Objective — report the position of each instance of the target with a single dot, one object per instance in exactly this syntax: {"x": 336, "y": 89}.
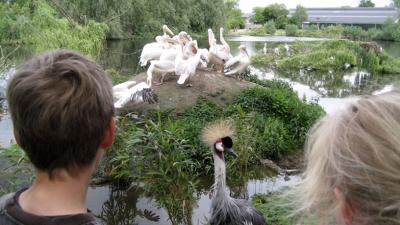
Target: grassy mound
{"x": 271, "y": 122}
{"x": 332, "y": 55}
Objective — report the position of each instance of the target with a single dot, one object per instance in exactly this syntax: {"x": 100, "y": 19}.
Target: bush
{"x": 284, "y": 104}
{"x": 257, "y": 32}
{"x": 370, "y": 61}
{"x": 36, "y": 24}
{"x": 270, "y": 27}
{"x": 262, "y": 60}
{"x": 271, "y": 122}
{"x": 291, "y": 30}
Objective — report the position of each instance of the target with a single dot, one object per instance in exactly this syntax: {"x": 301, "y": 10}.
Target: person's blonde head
{"x": 356, "y": 151}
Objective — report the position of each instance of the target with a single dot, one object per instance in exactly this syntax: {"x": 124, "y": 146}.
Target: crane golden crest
{"x": 217, "y": 130}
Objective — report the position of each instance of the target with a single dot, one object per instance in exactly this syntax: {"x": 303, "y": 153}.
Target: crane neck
{"x": 219, "y": 176}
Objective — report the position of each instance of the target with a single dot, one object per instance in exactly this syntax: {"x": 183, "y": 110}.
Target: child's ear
{"x": 109, "y": 134}
{"x": 346, "y": 209}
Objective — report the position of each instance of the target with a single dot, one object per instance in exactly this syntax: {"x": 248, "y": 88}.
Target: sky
{"x": 248, "y": 5}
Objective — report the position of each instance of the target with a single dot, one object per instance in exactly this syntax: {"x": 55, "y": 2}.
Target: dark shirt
{"x": 11, "y": 213}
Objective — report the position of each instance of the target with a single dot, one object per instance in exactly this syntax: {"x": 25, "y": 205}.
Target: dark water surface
{"x": 115, "y": 205}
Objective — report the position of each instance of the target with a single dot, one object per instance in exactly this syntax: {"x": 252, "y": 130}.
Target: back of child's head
{"x": 61, "y": 104}
{"x": 356, "y": 151}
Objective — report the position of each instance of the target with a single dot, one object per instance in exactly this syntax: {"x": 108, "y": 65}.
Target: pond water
{"x": 115, "y": 205}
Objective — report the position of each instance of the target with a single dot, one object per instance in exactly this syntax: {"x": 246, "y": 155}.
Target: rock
{"x": 210, "y": 85}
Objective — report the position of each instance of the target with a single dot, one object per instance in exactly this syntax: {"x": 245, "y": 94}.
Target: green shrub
{"x": 284, "y": 104}
{"x": 273, "y": 208}
{"x": 323, "y": 60}
{"x": 371, "y": 61}
{"x": 36, "y": 24}
{"x": 354, "y": 33}
{"x": 262, "y": 60}
{"x": 270, "y": 27}
{"x": 291, "y": 30}
{"x": 257, "y": 32}
{"x": 271, "y": 122}
{"x": 116, "y": 77}
{"x": 389, "y": 65}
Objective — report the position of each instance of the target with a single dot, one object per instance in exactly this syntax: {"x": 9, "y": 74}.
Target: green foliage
{"x": 262, "y": 60}
{"x": 366, "y": 3}
{"x": 274, "y": 12}
{"x": 390, "y": 30}
{"x": 15, "y": 169}
{"x": 277, "y": 13}
{"x": 273, "y": 209}
{"x": 270, "y": 27}
{"x": 271, "y": 122}
{"x": 299, "y": 16}
{"x": 144, "y": 18}
{"x": 257, "y": 32}
{"x": 278, "y": 208}
{"x": 291, "y": 30}
{"x": 396, "y": 3}
{"x": 258, "y": 17}
{"x": 235, "y": 19}
{"x": 370, "y": 61}
{"x": 37, "y": 24}
{"x": 355, "y": 33}
{"x": 116, "y": 77}
{"x": 389, "y": 65}
{"x": 281, "y": 102}
{"x": 324, "y": 56}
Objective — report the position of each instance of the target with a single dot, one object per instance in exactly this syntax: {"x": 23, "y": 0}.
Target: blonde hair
{"x": 358, "y": 151}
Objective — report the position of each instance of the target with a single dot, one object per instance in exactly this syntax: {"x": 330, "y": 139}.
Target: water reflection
{"x": 114, "y": 205}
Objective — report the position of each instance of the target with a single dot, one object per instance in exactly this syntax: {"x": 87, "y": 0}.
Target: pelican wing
{"x": 233, "y": 62}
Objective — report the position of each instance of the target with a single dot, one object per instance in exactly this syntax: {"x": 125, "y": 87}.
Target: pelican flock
{"x": 179, "y": 55}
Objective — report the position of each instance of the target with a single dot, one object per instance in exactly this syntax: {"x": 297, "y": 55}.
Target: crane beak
{"x": 231, "y": 152}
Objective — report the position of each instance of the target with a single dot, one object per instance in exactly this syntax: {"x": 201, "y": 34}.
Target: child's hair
{"x": 61, "y": 104}
{"x": 358, "y": 152}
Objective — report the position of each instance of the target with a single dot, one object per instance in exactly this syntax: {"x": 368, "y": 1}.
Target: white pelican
{"x": 287, "y": 49}
{"x": 131, "y": 92}
{"x": 265, "y": 48}
{"x": 185, "y": 68}
{"x": 166, "y": 64}
{"x": 238, "y": 64}
{"x": 153, "y": 51}
{"x": 218, "y": 54}
{"x": 276, "y": 51}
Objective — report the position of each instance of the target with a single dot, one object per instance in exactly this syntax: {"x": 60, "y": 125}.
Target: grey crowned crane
{"x": 226, "y": 210}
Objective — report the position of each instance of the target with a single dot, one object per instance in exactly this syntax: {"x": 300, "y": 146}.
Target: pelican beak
{"x": 169, "y": 31}
{"x": 231, "y": 152}
{"x": 246, "y": 52}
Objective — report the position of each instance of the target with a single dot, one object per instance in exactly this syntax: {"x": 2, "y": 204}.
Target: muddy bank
{"x": 213, "y": 86}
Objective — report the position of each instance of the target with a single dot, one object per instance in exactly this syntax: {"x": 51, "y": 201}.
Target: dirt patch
{"x": 210, "y": 85}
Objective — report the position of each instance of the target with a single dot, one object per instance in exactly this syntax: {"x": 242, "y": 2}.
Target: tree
{"x": 299, "y": 16}
{"x": 366, "y": 3}
{"x": 270, "y": 27}
{"x": 235, "y": 19}
{"x": 258, "y": 16}
{"x": 278, "y": 13}
{"x": 396, "y": 3}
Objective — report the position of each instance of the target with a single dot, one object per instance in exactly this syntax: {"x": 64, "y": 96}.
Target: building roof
{"x": 358, "y": 15}
{"x": 247, "y": 15}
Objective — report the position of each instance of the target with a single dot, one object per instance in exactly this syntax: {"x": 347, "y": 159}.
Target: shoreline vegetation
{"x": 274, "y": 18}
{"x": 329, "y": 56}
{"x": 388, "y": 32}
